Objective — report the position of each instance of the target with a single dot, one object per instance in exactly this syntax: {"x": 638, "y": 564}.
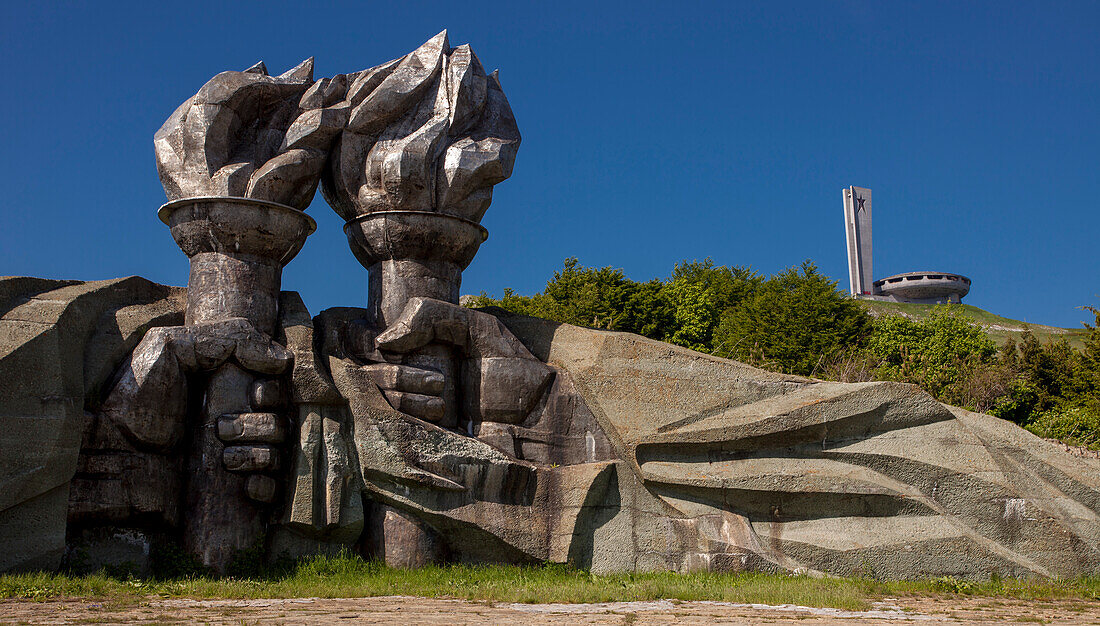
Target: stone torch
{"x": 428, "y": 135}
{"x": 240, "y": 161}
{"x": 237, "y": 249}
{"x": 411, "y": 254}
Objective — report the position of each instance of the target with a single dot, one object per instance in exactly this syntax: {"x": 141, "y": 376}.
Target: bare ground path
{"x": 414, "y": 610}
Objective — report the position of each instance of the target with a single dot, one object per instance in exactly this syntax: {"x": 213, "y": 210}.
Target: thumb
{"x": 425, "y": 321}
{"x": 404, "y": 336}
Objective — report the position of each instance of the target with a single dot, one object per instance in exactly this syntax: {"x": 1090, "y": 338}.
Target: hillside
{"x": 998, "y": 328}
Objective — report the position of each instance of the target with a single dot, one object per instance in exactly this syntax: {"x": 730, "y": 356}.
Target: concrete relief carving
{"x": 415, "y": 430}
{"x": 411, "y": 150}
{"x": 428, "y": 136}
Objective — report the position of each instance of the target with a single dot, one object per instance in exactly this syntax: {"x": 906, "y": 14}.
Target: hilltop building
{"x": 923, "y": 287}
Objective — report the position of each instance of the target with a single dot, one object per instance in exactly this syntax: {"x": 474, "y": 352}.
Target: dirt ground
{"x": 406, "y": 610}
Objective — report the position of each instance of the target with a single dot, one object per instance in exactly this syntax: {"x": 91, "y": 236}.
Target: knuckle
{"x": 261, "y": 488}
{"x": 266, "y": 394}
{"x": 251, "y": 427}
{"x": 250, "y": 458}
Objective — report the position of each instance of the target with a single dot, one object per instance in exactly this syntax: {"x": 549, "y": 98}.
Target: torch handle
{"x": 237, "y": 248}
{"x": 393, "y": 282}
{"x": 220, "y": 519}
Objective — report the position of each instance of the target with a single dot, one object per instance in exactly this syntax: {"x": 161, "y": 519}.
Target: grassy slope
{"x": 342, "y": 577}
{"x": 998, "y": 328}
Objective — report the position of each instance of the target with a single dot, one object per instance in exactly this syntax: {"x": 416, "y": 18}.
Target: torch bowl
{"x": 422, "y": 235}
{"x": 237, "y": 226}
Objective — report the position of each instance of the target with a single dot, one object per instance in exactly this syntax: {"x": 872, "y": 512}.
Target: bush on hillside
{"x": 941, "y": 353}
{"x": 1076, "y": 425}
{"x": 794, "y": 322}
{"x": 798, "y": 322}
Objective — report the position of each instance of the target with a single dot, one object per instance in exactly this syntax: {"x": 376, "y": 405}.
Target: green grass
{"x": 333, "y": 577}
{"x": 998, "y": 328}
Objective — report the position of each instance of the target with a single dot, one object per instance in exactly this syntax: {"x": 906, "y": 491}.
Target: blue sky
{"x": 652, "y": 132}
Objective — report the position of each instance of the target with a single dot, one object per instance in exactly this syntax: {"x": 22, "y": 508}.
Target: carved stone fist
{"x": 149, "y": 402}
{"x": 499, "y": 379}
{"x": 252, "y": 439}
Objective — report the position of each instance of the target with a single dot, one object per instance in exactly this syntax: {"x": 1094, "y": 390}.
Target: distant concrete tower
{"x": 857, "y": 225}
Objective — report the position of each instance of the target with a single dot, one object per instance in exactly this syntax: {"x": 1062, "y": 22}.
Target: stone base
{"x": 400, "y": 540}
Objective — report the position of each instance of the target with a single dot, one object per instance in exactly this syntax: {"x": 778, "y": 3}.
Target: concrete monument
{"x": 921, "y": 287}
{"x": 224, "y": 416}
{"x": 857, "y": 228}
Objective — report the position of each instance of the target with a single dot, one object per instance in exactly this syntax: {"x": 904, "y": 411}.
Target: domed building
{"x": 922, "y": 287}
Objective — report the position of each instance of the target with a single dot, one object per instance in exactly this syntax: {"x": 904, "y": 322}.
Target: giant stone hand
{"x": 427, "y": 137}
{"x": 499, "y": 379}
{"x": 148, "y": 401}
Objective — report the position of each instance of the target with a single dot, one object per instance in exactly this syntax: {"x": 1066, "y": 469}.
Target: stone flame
{"x": 427, "y": 132}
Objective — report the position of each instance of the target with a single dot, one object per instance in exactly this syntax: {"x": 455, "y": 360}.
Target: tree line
{"x": 797, "y": 322}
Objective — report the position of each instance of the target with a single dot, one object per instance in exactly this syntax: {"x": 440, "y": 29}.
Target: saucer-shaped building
{"x": 926, "y": 287}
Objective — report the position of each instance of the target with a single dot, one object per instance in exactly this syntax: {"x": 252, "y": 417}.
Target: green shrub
{"x": 941, "y": 353}
{"x": 950, "y": 584}
{"x": 794, "y": 322}
{"x": 1018, "y": 404}
{"x": 1075, "y": 425}
{"x": 798, "y": 322}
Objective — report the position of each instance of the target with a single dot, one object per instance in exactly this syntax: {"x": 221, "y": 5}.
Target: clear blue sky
{"x": 652, "y": 132}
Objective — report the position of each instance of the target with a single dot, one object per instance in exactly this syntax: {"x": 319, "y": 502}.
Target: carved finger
{"x": 392, "y": 376}
{"x": 251, "y": 428}
{"x": 250, "y": 458}
{"x": 148, "y": 401}
{"x": 428, "y": 408}
{"x": 266, "y": 395}
{"x": 211, "y": 351}
{"x": 207, "y": 345}
{"x": 403, "y": 336}
{"x": 261, "y": 488}
{"x": 258, "y": 353}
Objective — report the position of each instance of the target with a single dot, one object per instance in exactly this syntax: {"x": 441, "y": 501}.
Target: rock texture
{"x": 634, "y": 455}
{"x": 413, "y": 148}
{"x": 60, "y": 342}
{"x": 427, "y": 132}
{"x": 237, "y": 249}
{"x": 427, "y": 137}
{"x": 250, "y": 135}
{"x": 754, "y": 469}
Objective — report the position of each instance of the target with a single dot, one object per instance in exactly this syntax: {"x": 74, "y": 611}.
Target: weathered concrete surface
{"x": 60, "y": 341}
{"x": 427, "y": 137}
{"x": 427, "y": 132}
{"x": 922, "y": 287}
{"x": 869, "y": 478}
{"x": 634, "y": 455}
{"x": 323, "y": 511}
{"x": 237, "y": 249}
{"x": 523, "y": 490}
